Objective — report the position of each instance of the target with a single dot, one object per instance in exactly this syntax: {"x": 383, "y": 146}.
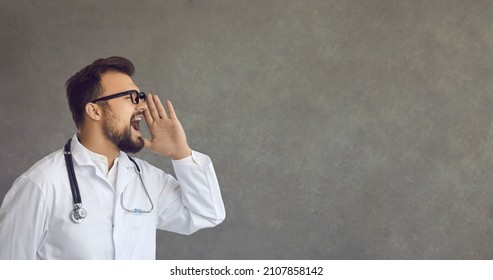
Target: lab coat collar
{"x": 82, "y": 158}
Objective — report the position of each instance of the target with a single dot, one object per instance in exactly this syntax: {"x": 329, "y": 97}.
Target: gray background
{"x": 338, "y": 129}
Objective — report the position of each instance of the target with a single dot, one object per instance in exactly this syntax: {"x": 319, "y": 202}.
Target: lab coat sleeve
{"x": 23, "y": 221}
{"x": 194, "y": 201}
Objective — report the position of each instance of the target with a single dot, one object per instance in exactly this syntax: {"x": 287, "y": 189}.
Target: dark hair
{"x": 85, "y": 85}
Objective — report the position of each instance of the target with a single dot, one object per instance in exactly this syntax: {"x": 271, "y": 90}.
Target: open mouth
{"x": 135, "y": 122}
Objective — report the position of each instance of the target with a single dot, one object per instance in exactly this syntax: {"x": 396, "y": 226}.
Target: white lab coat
{"x": 35, "y": 222}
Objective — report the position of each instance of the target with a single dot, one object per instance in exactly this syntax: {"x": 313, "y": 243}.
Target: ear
{"x": 94, "y": 111}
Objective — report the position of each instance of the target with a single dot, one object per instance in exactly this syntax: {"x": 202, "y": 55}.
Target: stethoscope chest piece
{"x": 78, "y": 214}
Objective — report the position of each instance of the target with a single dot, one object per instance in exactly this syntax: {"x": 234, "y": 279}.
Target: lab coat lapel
{"x": 126, "y": 171}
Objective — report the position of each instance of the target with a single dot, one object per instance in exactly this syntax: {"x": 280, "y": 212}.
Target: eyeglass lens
{"x": 136, "y": 96}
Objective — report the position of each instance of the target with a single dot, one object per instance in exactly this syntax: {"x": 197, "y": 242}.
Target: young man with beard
{"x": 120, "y": 201}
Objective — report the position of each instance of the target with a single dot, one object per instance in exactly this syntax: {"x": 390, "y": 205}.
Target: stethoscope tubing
{"x": 71, "y": 175}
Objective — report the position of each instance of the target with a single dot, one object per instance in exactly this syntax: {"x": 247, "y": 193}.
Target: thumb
{"x": 147, "y": 142}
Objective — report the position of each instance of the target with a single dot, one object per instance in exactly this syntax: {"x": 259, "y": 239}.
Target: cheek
{"x": 124, "y": 117}
{"x": 116, "y": 121}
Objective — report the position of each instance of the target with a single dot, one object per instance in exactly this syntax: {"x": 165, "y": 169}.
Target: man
{"x": 119, "y": 209}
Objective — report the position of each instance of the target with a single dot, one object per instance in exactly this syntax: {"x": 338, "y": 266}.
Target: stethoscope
{"x": 78, "y": 213}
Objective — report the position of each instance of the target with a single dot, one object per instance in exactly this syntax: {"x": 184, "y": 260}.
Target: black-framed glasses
{"x": 134, "y": 95}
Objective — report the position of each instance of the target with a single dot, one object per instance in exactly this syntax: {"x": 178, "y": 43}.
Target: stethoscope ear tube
{"x": 78, "y": 214}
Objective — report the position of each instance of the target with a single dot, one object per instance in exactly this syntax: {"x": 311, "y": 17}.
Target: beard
{"x": 121, "y": 138}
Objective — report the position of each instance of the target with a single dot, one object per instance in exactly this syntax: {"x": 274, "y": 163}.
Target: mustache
{"x": 137, "y": 114}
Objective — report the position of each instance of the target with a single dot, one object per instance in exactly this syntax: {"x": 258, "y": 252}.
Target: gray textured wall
{"x": 338, "y": 129}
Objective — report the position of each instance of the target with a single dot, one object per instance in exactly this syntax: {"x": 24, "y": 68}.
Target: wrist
{"x": 186, "y": 152}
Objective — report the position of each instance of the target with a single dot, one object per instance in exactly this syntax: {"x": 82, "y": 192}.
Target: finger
{"x": 160, "y": 108}
{"x": 148, "y": 117}
{"x": 171, "y": 110}
{"x": 152, "y": 108}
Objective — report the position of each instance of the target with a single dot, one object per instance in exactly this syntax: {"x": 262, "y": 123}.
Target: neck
{"x": 97, "y": 143}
